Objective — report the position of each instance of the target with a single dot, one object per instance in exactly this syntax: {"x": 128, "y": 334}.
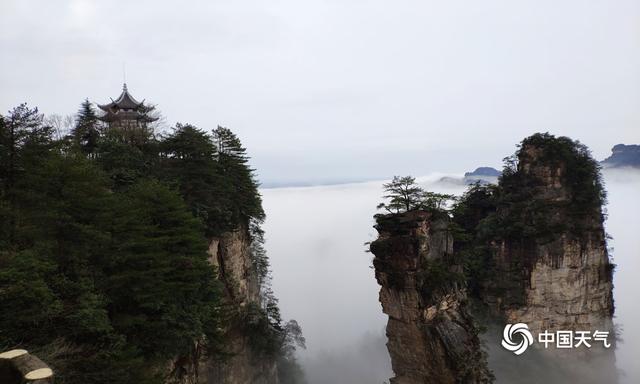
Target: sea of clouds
{"x": 324, "y": 278}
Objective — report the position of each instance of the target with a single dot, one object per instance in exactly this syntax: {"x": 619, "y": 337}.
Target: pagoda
{"x": 126, "y": 112}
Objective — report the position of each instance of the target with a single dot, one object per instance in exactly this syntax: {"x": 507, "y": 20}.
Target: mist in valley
{"x": 324, "y": 278}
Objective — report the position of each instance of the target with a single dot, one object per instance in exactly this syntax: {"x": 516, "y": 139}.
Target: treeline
{"x": 103, "y": 245}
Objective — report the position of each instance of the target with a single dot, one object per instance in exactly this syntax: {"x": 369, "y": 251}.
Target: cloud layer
{"x": 323, "y": 277}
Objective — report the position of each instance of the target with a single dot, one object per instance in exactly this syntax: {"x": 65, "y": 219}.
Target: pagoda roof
{"x": 119, "y": 115}
{"x": 125, "y": 101}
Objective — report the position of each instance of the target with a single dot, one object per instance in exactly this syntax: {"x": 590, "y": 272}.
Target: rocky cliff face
{"x": 551, "y": 265}
{"x": 230, "y": 254}
{"x": 431, "y": 336}
{"x": 568, "y": 286}
{"x": 534, "y": 251}
{"x": 565, "y": 277}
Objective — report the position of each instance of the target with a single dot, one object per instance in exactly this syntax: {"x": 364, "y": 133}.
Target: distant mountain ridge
{"x": 623, "y": 155}
{"x": 483, "y": 171}
{"x": 482, "y": 175}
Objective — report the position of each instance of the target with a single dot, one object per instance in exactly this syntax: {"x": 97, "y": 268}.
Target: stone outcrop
{"x": 623, "y": 156}
{"x": 534, "y": 251}
{"x": 565, "y": 281}
{"x": 556, "y": 274}
{"x": 231, "y": 256}
{"x": 568, "y": 286}
{"x": 431, "y": 336}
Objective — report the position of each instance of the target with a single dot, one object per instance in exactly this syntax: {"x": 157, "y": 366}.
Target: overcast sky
{"x": 336, "y": 89}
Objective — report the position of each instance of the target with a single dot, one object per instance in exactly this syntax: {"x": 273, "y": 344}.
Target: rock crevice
{"x": 230, "y": 255}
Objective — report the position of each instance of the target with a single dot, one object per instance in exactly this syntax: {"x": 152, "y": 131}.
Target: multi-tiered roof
{"x": 126, "y": 111}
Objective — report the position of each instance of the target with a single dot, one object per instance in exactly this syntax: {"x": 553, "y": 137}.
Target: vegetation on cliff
{"x": 549, "y": 189}
{"x": 531, "y": 214}
{"x": 402, "y": 194}
{"x": 431, "y": 335}
{"x": 532, "y": 247}
{"x": 103, "y": 245}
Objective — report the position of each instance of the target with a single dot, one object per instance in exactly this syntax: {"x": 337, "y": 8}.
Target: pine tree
{"x": 189, "y": 161}
{"x": 59, "y": 238}
{"x": 86, "y": 132}
{"x": 403, "y": 194}
{"x": 22, "y": 131}
{"x": 228, "y": 145}
{"x": 239, "y": 176}
{"x": 124, "y": 163}
{"x": 24, "y": 141}
{"x": 159, "y": 281}
{"x": 51, "y": 257}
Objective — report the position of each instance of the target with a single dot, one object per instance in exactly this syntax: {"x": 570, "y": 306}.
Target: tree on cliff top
{"x": 93, "y": 271}
{"x": 239, "y": 177}
{"x": 212, "y": 174}
{"x": 528, "y": 213}
{"x": 103, "y": 249}
{"x": 86, "y": 133}
{"x": 404, "y": 195}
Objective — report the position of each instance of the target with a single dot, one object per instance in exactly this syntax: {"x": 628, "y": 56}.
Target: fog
{"x": 324, "y": 278}
{"x": 623, "y": 225}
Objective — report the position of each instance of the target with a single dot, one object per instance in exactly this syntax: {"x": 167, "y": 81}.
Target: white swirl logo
{"x": 521, "y": 329}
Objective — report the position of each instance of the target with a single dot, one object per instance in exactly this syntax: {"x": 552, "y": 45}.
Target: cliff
{"x": 567, "y": 279}
{"x": 533, "y": 250}
{"x": 538, "y": 256}
{"x": 230, "y": 253}
{"x": 241, "y": 363}
{"x": 558, "y": 272}
{"x": 431, "y": 336}
{"x": 623, "y": 156}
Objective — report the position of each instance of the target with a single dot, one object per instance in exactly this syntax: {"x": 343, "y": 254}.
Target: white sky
{"x": 336, "y": 90}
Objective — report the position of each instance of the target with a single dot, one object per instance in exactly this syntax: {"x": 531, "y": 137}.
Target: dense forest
{"x": 103, "y": 246}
